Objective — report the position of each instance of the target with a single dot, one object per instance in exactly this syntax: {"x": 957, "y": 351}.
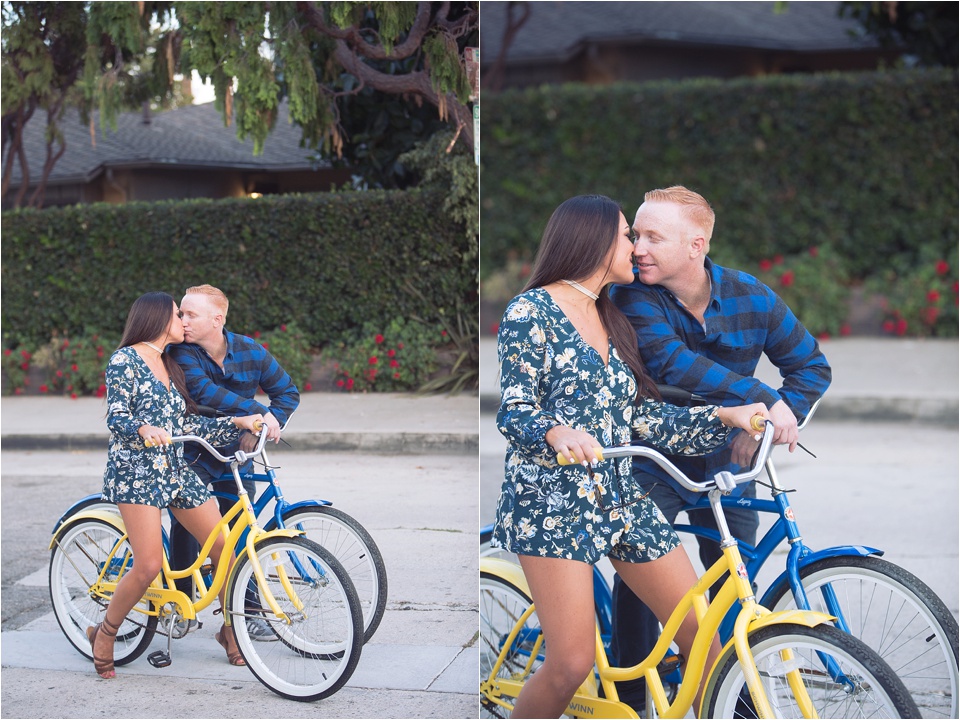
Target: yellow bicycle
{"x": 284, "y": 579}
{"x": 777, "y": 664}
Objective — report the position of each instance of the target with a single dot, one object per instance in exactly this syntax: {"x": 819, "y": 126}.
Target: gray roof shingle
{"x": 189, "y": 137}
{"x": 556, "y": 30}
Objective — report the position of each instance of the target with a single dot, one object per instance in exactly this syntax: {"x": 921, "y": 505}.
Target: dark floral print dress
{"x": 156, "y": 476}
{"x": 548, "y": 376}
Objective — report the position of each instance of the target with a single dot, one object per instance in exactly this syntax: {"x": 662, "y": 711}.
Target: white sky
{"x": 202, "y": 92}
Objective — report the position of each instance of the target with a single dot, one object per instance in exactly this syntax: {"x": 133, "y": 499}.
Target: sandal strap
{"x": 108, "y": 628}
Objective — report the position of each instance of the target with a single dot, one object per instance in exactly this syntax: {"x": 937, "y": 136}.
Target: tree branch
{"x": 353, "y": 37}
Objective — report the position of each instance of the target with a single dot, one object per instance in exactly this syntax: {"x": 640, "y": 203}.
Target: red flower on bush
{"x": 396, "y": 376}
{"x": 888, "y": 326}
{"x": 59, "y": 373}
{"x": 101, "y": 391}
{"x": 930, "y": 315}
{"x": 394, "y": 364}
{"x": 901, "y": 327}
{"x": 943, "y": 267}
{"x": 340, "y": 383}
{"x": 495, "y": 329}
{"x": 44, "y": 388}
{"x": 265, "y": 345}
{"x": 845, "y": 330}
{"x": 814, "y": 251}
{"x": 74, "y": 367}
{"x": 391, "y": 352}
{"x": 8, "y": 352}
{"x": 349, "y": 383}
{"x": 787, "y": 278}
{"x": 378, "y": 339}
{"x": 256, "y": 334}
{"x": 373, "y": 360}
{"x": 443, "y": 333}
{"x": 24, "y": 354}
{"x": 283, "y": 328}
{"x": 933, "y": 296}
{"x": 777, "y": 259}
{"x": 765, "y": 265}
{"x": 308, "y": 387}
{"x": 399, "y": 346}
{"x": 73, "y": 396}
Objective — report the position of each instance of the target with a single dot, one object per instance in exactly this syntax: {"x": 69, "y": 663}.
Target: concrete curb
{"x": 372, "y": 442}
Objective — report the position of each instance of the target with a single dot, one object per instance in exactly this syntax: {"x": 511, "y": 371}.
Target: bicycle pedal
{"x": 669, "y": 664}
{"x": 159, "y": 659}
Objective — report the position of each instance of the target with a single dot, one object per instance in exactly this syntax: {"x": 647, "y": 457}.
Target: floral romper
{"x": 548, "y": 376}
{"x": 156, "y": 476}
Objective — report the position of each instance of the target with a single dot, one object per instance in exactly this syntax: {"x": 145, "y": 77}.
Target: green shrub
{"x": 289, "y": 345}
{"x": 397, "y": 356}
{"x": 16, "y": 369}
{"x": 863, "y": 162}
{"x": 814, "y": 286}
{"x": 328, "y": 262}
{"x": 921, "y": 302}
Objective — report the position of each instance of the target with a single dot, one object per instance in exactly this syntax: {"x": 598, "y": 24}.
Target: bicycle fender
{"x": 809, "y": 618}
{"x": 105, "y": 515}
{"x": 70, "y": 510}
{"x": 836, "y": 551}
{"x": 507, "y": 570}
{"x": 296, "y": 506}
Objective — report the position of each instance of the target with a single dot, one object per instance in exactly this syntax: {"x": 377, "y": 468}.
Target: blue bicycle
{"x": 334, "y": 530}
{"x": 888, "y": 608}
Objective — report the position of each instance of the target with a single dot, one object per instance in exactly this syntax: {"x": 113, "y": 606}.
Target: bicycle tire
{"x": 319, "y": 651}
{"x": 876, "y": 691}
{"x": 897, "y": 615}
{"x": 501, "y": 605}
{"x": 79, "y": 554}
{"x": 356, "y": 551}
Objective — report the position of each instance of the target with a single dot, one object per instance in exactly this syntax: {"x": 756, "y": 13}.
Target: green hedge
{"x": 329, "y": 262}
{"x": 865, "y": 162}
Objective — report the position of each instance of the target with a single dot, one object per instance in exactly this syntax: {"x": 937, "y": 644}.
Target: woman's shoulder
{"x": 123, "y": 356}
{"x": 532, "y": 304}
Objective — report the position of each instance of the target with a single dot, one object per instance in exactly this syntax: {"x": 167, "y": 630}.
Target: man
{"x": 703, "y": 328}
{"x": 223, "y": 371}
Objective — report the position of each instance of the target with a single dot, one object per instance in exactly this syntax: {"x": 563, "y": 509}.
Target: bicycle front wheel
{"x": 842, "y": 677}
{"x": 348, "y": 541}
{"x": 320, "y": 646}
{"x": 501, "y": 605}
{"x": 894, "y": 613}
{"x": 81, "y": 552}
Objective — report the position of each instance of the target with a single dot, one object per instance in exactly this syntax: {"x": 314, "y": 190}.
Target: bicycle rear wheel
{"x": 858, "y": 685}
{"x": 320, "y": 648}
{"x": 81, "y": 552}
{"x": 894, "y": 613}
{"x": 348, "y": 541}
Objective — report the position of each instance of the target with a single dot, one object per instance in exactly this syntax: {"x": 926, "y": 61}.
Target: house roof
{"x": 558, "y": 30}
{"x": 191, "y": 137}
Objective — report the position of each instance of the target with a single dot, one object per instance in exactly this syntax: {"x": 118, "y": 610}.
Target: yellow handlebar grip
{"x": 758, "y": 422}
{"x": 564, "y": 460}
{"x": 147, "y": 443}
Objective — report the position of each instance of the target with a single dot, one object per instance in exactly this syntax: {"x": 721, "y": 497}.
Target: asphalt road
{"x": 885, "y": 485}
{"x": 421, "y": 511}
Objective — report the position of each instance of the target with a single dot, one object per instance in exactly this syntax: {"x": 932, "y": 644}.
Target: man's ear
{"x": 698, "y": 246}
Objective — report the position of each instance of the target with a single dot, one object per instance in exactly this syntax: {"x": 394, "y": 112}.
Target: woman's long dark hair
{"x": 575, "y": 243}
{"x": 148, "y": 319}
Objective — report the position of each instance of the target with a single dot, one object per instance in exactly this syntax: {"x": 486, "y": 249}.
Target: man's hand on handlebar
{"x": 786, "y": 425}
{"x": 250, "y": 423}
{"x": 742, "y": 416}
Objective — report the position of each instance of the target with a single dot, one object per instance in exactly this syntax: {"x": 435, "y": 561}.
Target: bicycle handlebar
{"x": 725, "y": 480}
{"x": 240, "y": 457}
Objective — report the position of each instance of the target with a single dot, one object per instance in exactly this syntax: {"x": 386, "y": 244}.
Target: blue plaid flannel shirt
{"x": 744, "y": 320}
{"x": 232, "y": 390}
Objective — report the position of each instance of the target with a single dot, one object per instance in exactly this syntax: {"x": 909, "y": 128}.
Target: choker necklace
{"x": 574, "y": 284}
{"x": 152, "y": 346}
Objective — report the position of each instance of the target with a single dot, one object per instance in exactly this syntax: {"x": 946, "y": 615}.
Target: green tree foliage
{"x": 925, "y": 31}
{"x": 353, "y": 72}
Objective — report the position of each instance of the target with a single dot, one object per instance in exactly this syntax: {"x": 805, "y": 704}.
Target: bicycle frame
{"x": 162, "y": 591}
{"x": 750, "y": 616}
{"x": 784, "y": 528}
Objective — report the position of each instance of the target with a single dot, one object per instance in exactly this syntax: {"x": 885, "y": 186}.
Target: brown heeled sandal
{"x": 233, "y": 657}
{"x": 104, "y": 668}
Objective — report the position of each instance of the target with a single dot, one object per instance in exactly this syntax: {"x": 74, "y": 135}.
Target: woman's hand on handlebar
{"x": 742, "y": 416}
{"x": 153, "y": 436}
{"x": 575, "y": 445}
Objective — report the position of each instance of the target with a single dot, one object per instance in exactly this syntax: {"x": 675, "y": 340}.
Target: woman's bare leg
{"x": 661, "y": 584}
{"x": 562, "y": 590}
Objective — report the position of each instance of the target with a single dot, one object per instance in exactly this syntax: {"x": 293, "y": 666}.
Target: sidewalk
{"x": 876, "y": 379}
{"x": 393, "y": 423}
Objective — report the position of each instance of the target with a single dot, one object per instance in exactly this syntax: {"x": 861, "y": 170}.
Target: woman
{"x": 147, "y": 403}
{"x": 571, "y": 380}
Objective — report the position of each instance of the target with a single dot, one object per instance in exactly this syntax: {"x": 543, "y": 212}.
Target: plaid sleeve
{"x": 276, "y": 383}
{"x": 205, "y": 391}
